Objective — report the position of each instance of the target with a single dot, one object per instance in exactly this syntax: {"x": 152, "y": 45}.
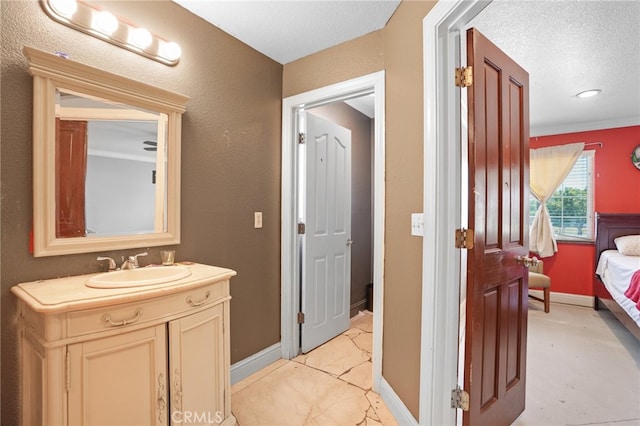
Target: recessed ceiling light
{"x": 588, "y": 93}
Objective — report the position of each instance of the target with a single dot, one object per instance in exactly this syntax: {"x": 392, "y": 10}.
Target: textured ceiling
{"x": 566, "y": 46}
{"x": 289, "y": 30}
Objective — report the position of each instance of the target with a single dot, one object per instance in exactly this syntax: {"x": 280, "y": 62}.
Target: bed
{"x": 614, "y": 270}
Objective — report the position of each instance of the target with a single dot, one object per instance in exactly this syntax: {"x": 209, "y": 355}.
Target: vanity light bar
{"x": 106, "y": 26}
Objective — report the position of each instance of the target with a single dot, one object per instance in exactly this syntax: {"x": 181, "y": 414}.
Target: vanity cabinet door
{"x": 197, "y": 368}
{"x": 119, "y": 380}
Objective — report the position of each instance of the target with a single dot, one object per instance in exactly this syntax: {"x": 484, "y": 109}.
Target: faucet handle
{"x": 134, "y": 259}
{"x": 112, "y": 263}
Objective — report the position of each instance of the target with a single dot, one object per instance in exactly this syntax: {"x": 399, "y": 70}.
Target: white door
{"x": 326, "y": 253}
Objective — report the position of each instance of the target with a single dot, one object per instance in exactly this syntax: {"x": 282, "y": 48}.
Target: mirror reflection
{"x": 110, "y": 168}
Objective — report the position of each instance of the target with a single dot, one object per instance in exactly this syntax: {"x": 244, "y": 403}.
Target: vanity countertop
{"x": 71, "y": 293}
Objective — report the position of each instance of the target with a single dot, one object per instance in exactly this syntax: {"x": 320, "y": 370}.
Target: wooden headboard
{"x": 610, "y": 226}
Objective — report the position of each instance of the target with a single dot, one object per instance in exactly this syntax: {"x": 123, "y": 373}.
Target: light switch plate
{"x": 417, "y": 224}
{"x": 257, "y": 220}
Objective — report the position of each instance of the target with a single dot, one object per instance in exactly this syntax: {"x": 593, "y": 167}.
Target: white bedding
{"x": 615, "y": 271}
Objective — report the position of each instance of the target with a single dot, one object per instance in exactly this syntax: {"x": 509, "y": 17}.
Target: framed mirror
{"x": 106, "y": 152}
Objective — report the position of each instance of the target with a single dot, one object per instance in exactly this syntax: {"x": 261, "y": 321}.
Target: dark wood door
{"x": 496, "y": 313}
{"x": 71, "y": 171}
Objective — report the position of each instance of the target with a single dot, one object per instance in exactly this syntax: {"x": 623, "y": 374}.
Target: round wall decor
{"x": 635, "y": 157}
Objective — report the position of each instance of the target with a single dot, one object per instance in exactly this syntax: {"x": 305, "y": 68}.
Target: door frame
{"x": 290, "y": 293}
{"x": 445, "y": 190}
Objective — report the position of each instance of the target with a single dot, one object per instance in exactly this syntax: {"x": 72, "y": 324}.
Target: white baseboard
{"x": 400, "y": 411}
{"x": 256, "y": 362}
{"x": 566, "y": 298}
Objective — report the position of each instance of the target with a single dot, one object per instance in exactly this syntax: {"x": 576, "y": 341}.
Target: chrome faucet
{"x": 132, "y": 261}
{"x": 112, "y": 263}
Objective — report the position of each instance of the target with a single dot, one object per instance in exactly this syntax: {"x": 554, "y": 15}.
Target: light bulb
{"x": 170, "y": 51}
{"x": 105, "y": 22}
{"x": 140, "y": 37}
{"x": 65, "y": 8}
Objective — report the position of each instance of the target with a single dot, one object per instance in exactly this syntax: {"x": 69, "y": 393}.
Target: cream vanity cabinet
{"x": 153, "y": 355}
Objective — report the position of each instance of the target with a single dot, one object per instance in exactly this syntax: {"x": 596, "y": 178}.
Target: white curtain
{"x": 548, "y": 169}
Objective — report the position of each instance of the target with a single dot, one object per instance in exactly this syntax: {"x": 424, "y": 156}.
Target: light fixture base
{"x": 106, "y": 26}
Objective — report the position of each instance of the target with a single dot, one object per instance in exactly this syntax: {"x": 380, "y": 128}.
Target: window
{"x": 571, "y": 207}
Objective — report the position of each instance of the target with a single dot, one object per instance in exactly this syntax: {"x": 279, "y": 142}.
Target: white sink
{"x": 139, "y": 277}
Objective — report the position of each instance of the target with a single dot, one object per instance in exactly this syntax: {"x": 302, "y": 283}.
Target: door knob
{"x": 349, "y": 242}
{"x": 528, "y": 261}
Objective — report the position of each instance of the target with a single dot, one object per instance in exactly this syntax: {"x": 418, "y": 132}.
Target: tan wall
{"x": 404, "y": 195}
{"x": 361, "y": 186}
{"x": 354, "y": 58}
{"x": 398, "y": 50}
{"x": 230, "y": 162}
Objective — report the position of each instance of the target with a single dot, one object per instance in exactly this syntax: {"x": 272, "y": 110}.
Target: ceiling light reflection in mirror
{"x": 104, "y": 25}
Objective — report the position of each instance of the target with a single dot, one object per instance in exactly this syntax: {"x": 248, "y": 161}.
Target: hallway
{"x": 330, "y": 385}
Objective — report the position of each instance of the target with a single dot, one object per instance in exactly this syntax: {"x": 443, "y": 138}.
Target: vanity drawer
{"x": 123, "y": 315}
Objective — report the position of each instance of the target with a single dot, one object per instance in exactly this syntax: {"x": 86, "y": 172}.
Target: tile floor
{"x": 330, "y": 385}
{"x": 583, "y": 368}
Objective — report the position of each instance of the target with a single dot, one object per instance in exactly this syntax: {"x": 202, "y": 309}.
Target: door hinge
{"x": 300, "y": 317}
{"x": 464, "y": 76}
{"x": 301, "y": 228}
{"x": 460, "y": 399}
{"x": 301, "y": 138}
{"x": 464, "y": 238}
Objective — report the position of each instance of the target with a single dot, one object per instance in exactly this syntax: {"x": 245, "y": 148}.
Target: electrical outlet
{"x": 417, "y": 224}
{"x": 257, "y": 220}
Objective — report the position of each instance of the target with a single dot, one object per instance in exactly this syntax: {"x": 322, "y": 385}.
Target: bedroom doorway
{"x": 372, "y": 84}
{"x": 496, "y": 298}
{"x": 446, "y": 209}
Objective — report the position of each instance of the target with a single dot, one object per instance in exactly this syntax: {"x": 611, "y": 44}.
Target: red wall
{"x": 617, "y": 190}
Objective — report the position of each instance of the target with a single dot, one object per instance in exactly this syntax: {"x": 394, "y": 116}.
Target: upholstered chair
{"x": 537, "y": 280}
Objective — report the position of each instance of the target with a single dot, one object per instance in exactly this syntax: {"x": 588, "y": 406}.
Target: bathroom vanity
{"x": 130, "y": 355}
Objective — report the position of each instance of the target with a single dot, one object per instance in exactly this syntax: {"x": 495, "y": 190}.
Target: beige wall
{"x": 230, "y": 162}
{"x": 357, "y": 57}
{"x": 398, "y": 50}
{"x": 404, "y": 195}
{"x": 361, "y": 186}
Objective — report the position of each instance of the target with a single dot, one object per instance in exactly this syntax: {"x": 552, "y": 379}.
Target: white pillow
{"x": 629, "y": 245}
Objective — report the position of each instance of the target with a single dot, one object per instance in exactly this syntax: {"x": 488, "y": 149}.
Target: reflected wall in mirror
{"x": 106, "y": 159}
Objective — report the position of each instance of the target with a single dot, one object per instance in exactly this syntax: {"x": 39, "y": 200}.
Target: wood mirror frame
{"x": 51, "y": 72}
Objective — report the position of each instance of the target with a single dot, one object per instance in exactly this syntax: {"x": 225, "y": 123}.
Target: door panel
{"x": 119, "y": 380}
{"x": 197, "y": 340}
{"x": 326, "y": 264}
{"x": 496, "y": 328}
